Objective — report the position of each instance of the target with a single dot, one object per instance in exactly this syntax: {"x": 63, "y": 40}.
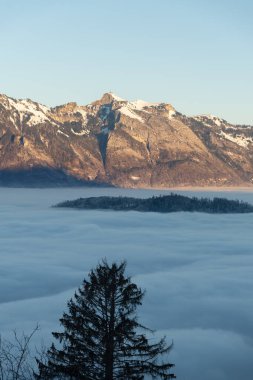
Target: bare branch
{"x": 16, "y": 361}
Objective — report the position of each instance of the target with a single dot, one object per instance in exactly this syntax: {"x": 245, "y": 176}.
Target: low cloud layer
{"x": 196, "y": 269}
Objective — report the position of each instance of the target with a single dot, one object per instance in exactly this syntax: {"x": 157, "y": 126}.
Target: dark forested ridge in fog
{"x": 163, "y": 204}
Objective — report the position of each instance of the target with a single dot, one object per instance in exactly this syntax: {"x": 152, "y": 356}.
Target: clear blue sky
{"x": 194, "y": 54}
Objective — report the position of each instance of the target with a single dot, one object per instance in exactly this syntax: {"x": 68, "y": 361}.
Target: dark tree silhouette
{"x": 101, "y": 338}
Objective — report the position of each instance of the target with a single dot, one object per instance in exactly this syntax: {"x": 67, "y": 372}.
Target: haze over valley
{"x": 198, "y": 290}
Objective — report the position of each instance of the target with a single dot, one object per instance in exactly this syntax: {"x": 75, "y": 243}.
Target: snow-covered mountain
{"x": 121, "y": 143}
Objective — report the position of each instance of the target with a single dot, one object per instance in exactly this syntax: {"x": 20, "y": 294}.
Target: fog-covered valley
{"x": 196, "y": 269}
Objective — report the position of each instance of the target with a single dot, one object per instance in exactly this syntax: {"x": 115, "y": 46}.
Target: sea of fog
{"x": 197, "y": 270}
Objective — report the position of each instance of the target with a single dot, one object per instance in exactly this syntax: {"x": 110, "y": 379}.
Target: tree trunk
{"x": 110, "y": 338}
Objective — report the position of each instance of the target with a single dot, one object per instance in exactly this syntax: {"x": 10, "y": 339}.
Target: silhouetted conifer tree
{"x": 101, "y": 338}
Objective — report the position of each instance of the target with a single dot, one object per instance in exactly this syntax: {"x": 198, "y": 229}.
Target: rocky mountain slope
{"x": 121, "y": 143}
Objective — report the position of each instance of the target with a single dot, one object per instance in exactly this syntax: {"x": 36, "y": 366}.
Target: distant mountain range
{"x": 120, "y": 143}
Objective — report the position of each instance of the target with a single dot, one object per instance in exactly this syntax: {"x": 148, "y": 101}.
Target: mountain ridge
{"x": 123, "y": 143}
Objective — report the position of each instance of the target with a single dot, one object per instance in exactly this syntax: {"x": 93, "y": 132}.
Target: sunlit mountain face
{"x": 121, "y": 143}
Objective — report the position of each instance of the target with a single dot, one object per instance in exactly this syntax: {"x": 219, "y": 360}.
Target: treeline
{"x": 163, "y": 204}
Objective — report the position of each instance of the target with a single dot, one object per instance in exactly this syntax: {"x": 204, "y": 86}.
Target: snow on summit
{"x": 141, "y": 104}
{"x": 25, "y": 107}
{"x": 116, "y": 97}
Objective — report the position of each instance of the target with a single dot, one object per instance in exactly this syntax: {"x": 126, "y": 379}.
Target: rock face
{"x": 116, "y": 142}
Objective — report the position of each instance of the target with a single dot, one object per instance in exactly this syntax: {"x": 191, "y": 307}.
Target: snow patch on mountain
{"x": 240, "y": 140}
{"x": 139, "y": 105}
{"x": 171, "y": 113}
{"x": 116, "y": 97}
{"x": 45, "y": 109}
{"x": 129, "y": 108}
{"x": 83, "y": 114}
{"x": 81, "y": 133}
{"x": 62, "y": 133}
{"x": 34, "y": 111}
{"x": 128, "y": 111}
{"x": 210, "y": 119}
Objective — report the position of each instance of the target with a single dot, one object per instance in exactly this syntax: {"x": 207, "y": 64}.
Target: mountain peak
{"x": 109, "y": 97}
{"x": 116, "y": 97}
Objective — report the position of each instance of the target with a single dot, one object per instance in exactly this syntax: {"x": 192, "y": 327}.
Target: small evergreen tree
{"x": 102, "y": 339}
